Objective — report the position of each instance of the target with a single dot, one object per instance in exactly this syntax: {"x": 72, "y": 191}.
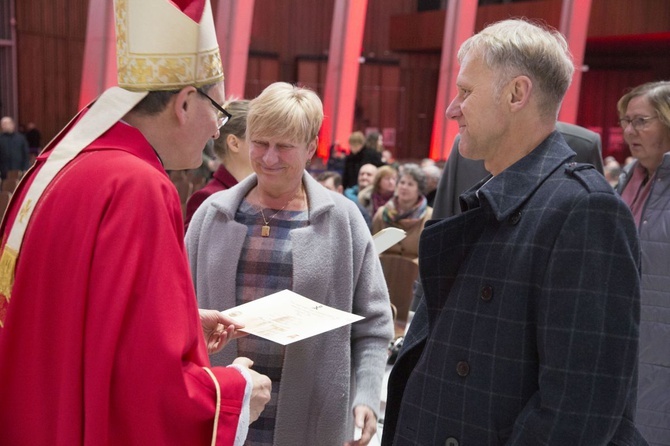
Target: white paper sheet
{"x": 387, "y": 237}
{"x": 286, "y": 317}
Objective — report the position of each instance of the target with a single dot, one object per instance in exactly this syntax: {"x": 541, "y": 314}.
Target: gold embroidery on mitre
{"x": 138, "y": 71}
{"x": 23, "y": 213}
{"x": 7, "y": 267}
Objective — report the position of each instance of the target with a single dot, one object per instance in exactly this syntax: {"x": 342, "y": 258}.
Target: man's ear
{"x": 520, "y": 89}
{"x": 183, "y": 103}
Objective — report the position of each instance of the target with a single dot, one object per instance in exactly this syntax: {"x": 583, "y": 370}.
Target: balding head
{"x": 7, "y": 125}
{"x": 366, "y": 174}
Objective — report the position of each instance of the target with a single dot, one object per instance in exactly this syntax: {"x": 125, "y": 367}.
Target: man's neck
{"x": 520, "y": 142}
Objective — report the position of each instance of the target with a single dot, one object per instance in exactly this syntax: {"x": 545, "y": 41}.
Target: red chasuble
{"x": 102, "y": 343}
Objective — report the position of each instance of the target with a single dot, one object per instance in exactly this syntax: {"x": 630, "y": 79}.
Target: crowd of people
{"x": 542, "y": 306}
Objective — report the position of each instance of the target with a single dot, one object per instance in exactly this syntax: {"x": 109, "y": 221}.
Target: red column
{"x": 233, "y": 32}
{"x": 339, "y": 96}
{"x": 574, "y": 26}
{"x": 99, "y": 68}
{"x": 459, "y": 25}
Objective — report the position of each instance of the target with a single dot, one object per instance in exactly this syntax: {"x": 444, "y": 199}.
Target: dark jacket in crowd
{"x": 354, "y": 161}
{"x": 14, "y": 154}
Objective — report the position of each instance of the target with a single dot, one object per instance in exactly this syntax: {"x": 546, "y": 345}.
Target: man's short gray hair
{"x": 518, "y": 47}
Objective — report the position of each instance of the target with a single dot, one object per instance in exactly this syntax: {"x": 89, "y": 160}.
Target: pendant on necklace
{"x": 265, "y": 231}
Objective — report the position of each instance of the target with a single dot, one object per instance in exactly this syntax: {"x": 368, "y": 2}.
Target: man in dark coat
{"x": 359, "y": 155}
{"x": 528, "y": 331}
{"x": 460, "y": 174}
{"x": 14, "y": 153}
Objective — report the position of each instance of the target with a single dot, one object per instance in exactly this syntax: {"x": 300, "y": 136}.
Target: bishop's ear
{"x": 183, "y": 103}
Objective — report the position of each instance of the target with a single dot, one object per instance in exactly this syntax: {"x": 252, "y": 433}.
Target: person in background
{"x": 644, "y": 114}
{"x": 14, "y": 151}
{"x": 433, "y": 174}
{"x": 34, "y": 138}
{"x": 336, "y": 158}
{"x": 359, "y": 154}
{"x": 333, "y": 181}
{"x": 232, "y": 149}
{"x": 425, "y": 162}
{"x": 611, "y": 170}
{"x": 279, "y": 229}
{"x": 366, "y": 176}
{"x": 375, "y": 195}
{"x": 375, "y": 141}
{"x": 388, "y": 158}
{"x": 101, "y": 340}
{"x": 527, "y": 333}
{"x": 407, "y": 210}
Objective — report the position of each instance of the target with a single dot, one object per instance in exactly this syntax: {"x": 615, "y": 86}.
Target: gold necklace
{"x": 265, "y": 229}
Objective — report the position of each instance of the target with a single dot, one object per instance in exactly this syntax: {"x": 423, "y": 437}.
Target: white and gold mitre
{"x": 166, "y": 44}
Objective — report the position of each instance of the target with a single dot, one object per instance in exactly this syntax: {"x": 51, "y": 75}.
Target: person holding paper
{"x": 101, "y": 340}
{"x": 280, "y": 229}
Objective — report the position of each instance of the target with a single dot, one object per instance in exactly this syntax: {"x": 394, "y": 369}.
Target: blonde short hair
{"x": 285, "y": 111}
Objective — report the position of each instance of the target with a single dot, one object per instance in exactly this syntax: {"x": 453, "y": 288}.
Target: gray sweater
{"x": 334, "y": 262}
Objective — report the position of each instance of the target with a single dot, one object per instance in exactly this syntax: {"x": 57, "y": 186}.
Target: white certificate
{"x": 387, "y": 237}
{"x": 286, "y": 317}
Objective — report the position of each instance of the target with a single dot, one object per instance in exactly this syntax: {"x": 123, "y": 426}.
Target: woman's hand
{"x": 364, "y": 419}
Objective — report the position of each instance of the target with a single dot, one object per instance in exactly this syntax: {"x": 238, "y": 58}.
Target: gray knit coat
{"x": 334, "y": 262}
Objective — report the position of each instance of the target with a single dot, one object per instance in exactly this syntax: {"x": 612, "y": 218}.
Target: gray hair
{"x": 416, "y": 172}
{"x": 518, "y": 47}
{"x": 658, "y": 94}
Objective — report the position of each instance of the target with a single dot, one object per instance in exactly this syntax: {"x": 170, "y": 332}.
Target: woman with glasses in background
{"x": 645, "y": 186}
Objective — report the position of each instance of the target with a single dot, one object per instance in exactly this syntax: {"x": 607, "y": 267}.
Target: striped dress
{"x": 265, "y": 267}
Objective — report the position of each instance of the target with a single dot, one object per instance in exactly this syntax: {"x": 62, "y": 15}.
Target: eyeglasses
{"x": 222, "y": 116}
{"x": 638, "y": 123}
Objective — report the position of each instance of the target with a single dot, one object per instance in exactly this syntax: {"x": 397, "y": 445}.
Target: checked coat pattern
{"x": 527, "y": 334}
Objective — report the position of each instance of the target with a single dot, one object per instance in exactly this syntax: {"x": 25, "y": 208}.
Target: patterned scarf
{"x": 408, "y": 219}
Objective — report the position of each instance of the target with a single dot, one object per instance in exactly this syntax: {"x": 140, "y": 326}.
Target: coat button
{"x": 486, "y": 293}
{"x": 463, "y": 368}
{"x": 514, "y": 218}
{"x": 451, "y": 441}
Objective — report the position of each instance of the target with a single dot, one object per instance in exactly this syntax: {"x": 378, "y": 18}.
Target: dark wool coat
{"x": 527, "y": 334}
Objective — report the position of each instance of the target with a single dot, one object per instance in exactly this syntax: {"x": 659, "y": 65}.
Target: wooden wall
{"x": 50, "y": 45}
{"x": 290, "y": 41}
{"x": 617, "y": 58}
{"x": 301, "y": 51}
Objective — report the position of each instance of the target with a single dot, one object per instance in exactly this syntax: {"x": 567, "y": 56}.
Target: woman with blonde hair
{"x": 280, "y": 229}
{"x": 380, "y": 191}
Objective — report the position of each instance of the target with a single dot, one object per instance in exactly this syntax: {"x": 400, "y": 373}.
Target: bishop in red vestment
{"x": 100, "y": 337}
{"x": 101, "y": 341}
